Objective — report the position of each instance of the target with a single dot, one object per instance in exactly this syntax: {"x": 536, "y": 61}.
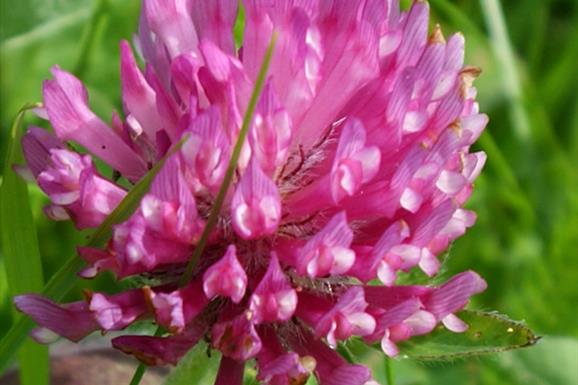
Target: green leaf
{"x": 487, "y": 333}
{"x": 195, "y": 368}
{"x": 21, "y": 253}
{"x": 66, "y": 276}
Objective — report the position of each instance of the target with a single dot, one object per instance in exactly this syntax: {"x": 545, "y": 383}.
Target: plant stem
{"x": 388, "y": 371}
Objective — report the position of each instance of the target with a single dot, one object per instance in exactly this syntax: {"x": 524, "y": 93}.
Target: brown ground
{"x": 98, "y": 367}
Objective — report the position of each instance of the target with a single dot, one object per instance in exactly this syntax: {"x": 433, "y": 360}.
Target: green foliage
{"x": 196, "y": 368}
{"x": 23, "y": 261}
{"x": 63, "y": 280}
{"x": 487, "y": 333}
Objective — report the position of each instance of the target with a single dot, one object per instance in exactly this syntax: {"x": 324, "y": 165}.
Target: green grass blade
{"x": 98, "y": 18}
{"x": 214, "y": 215}
{"x": 21, "y": 252}
{"x": 504, "y": 52}
{"x": 64, "y": 279}
{"x": 220, "y": 199}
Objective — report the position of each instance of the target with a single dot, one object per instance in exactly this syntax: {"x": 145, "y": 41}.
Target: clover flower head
{"x": 356, "y": 168}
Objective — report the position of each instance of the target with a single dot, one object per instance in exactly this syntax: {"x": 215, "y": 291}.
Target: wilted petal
{"x": 73, "y": 321}
{"x": 236, "y": 339}
{"x": 159, "y": 350}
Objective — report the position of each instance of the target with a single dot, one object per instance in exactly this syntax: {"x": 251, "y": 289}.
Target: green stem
{"x": 138, "y": 374}
{"x": 220, "y": 199}
{"x": 388, "y": 371}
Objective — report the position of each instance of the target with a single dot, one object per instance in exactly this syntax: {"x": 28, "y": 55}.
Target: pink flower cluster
{"x": 356, "y": 167}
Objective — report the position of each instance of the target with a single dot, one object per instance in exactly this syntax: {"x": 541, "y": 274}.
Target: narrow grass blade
{"x": 505, "y": 56}
{"x": 21, "y": 252}
{"x": 220, "y": 199}
{"x": 98, "y": 17}
{"x": 64, "y": 279}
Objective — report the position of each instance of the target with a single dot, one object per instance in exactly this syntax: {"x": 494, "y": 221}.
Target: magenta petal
{"x": 274, "y": 299}
{"x": 256, "y": 205}
{"x": 348, "y": 317}
{"x": 36, "y": 145}
{"x": 138, "y": 96}
{"x": 159, "y": 350}
{"x": 171, "y": 21}
{"x": 331, "y": 367}
{"x": 287, "y": 369}
{"x": 214, "y": 21}
{"x": 328, "y": 251}
{"x": 226, "y": 277}
{"x": 73, "y": 321}
{"x": 454, "y": 294}
{"x": 66, "y": 101}
{"x": 118, "y": 311}
{"x": 237, "y": 339}
{"x": 176, "y": 309}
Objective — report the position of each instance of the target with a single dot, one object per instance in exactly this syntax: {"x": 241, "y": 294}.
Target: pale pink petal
{"x": 66, "y": 102}
{"x": 226, "y": 277}
{"x": 454, "y": 324}
{"x": 274, "y": 299}
{"x": 256, "y": 205}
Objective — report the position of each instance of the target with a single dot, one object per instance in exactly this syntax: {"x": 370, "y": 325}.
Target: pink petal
{"x": 236, "y": 339}
{"x": 118, "y": 311}
{"x": 159, "y": 350}
{"x": 256, "y": 205}
{"x": 138, "y": 96}
{"x": 328, "y": 251}
{"x": 454, "y": 294}
{"x": 66, "y": 102}
{"x": 226, "y": 277}
{"x": 73, "y": 321}
{"x": 454, "y": 324}
{"x": 170, "y": 20}
{"x": 274, "y": 299}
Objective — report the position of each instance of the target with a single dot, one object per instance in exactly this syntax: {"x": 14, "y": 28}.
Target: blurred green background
{"x": 525, "y": 242}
